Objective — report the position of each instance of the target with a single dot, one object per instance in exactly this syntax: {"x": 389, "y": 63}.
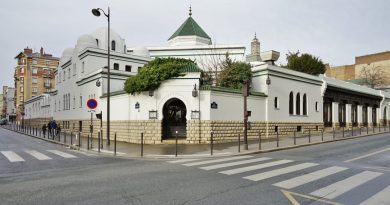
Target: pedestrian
{"x": 58, "y": 130}
{"x": 44, "y": 130}
{"x": 54, "y": 128}
{"x": 49, "y": 134}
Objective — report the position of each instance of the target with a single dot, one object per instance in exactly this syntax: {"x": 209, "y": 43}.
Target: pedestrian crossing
{"x": 13, "y": 156}
{"x": 287, "y": 174}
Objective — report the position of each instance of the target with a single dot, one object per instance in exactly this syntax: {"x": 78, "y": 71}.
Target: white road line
{"x": 230, "y": 164}
{"x": 380, "y": 198}
{"x": 37, "y": 155}
{"x": 183, "y": 161}
{"x": 62, "y": 154}
{"x": 334, "y": 190}
{"x": 368, "y": 155}
{"x": 255, "y": 167}
{"x": 216, "y": 160}
{"x": 84, "y": 153}
{"x": 304, "y": 179}
{"x": 277, "y": 172}
{"x": 12, "y": 156}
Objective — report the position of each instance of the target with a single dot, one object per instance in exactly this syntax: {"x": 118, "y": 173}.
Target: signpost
{"x": 91, "y": 104}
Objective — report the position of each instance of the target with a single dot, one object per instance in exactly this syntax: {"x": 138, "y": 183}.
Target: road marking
{"x": 37, "y": 155}
{"x": 367, "y": 155}
{"x": 108, "y": 151}
{"x": 183, "y": 160}
{"x": 12, "y": 156}
{"x": 216, "y": 160}
{"x": 277, "y": 172}
{"x": 304, "y": 179}
{"x": 334, "y": 190}
{"x": 380, "y": 198}
{"x": 62, "y": 154}
{"x": 290, "y": 196}
{"x": 255, "y": 167}
{"x": 230, "y": 164}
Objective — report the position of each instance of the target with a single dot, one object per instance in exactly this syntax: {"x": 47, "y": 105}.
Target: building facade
{"x": 8, "y": 111}
{"x": 34, "y": 75}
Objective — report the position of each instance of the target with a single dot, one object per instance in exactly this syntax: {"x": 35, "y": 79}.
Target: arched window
{"x": 276, "y": 103}
{"x": 97, "y": 42}
{"x": 113, "y": 45}
{"x": 317, "y": 107}
{"x": 291, "y": 103}
{"x": 304, "y": 111}
{"x": 298, "y": 105}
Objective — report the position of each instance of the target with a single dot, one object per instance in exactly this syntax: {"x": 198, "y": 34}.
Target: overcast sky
{"x": 336, "y": 31}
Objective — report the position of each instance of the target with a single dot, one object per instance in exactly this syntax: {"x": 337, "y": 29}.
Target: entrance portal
{"x": 174, "y": 119}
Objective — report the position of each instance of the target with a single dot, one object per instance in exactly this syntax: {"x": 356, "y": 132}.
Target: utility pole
{"x": 245, "y": 93}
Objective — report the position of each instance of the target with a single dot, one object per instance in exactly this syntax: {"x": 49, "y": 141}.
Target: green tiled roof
{"x": 190, "y": 68}
{"x": 190, "y": 28}
{"x": 229, "y": 90}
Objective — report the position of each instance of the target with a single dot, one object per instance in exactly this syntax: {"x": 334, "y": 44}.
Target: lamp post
{"x": 96, "y": 12}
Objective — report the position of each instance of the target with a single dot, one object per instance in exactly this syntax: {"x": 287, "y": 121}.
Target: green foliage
{"x": 235, "y": 74}
{"x": 306, "y": 63}
{"x": 152, "y": 74}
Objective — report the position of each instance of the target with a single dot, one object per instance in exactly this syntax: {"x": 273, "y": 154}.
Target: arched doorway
{"x": 174, "y": 119}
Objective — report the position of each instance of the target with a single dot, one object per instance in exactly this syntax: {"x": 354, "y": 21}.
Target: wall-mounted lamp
{"x": 214, "y": 105}
{"x": 268, "y": 81}
{"x": 152, "y": 114}
{"x": 194, "y": 92}
{"x": 98, "y": 83}
{"x": 137, "y": 105}
{"x": 151, "y": 92}
{"x": 195, "y": 114}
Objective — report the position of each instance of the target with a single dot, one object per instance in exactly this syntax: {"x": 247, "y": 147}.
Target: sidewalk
{"x": 204, "y": 150}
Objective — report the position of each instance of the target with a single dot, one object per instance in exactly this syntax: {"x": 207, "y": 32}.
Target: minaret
{"x": 255, "y": 51}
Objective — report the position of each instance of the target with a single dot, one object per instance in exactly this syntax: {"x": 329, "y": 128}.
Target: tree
{"x": 235, "y": 74}
{"x": 152, "y": 74}
{"x": 375, "y": 76}
{"x": 306, "y": 63}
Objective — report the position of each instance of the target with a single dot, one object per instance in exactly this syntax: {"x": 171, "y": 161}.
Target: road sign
{"x": 92, "y": 104}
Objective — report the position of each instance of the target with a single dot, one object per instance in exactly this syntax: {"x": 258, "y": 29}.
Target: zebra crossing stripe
{"x": 380, "y": 198}
{"x": 12, "y": 156}
{"x": 216, "y": 160}
{"x": 37, "y": 155}
{"x": 62, "y": 154}
{"x": 230, "y": 164}
{"x": 304, "y": 179}
{"x": 277, "y": 172}
{"x": 336, "y": 189}
{"x": 183, "y": 161}
{"x": 255, "y": 167}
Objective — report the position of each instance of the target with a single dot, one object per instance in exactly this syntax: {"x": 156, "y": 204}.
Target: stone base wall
{"x": 36, "y": 122}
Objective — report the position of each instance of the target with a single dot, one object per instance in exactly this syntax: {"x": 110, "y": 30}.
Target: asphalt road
{"x": 346, "y": 172}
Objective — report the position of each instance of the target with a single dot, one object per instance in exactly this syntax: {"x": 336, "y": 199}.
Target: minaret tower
{"x": 255, "y": 51}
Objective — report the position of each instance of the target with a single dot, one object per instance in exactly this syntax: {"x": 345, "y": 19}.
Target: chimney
{"x": 41, "y": 51}
{"x": 28, "y": 50}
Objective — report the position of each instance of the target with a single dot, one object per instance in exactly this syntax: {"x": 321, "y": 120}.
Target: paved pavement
{"x": 355, "y": 171}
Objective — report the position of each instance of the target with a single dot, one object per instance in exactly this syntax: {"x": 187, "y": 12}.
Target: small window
{"x": 34, "y": 80}
{"x": 35, "y": 71}
{"x": 317, "y": 107}
{"x": 276, "y": 128}
{"x": 97, "y": 42}
{"x": 34, "y": 62}
{"x": 34, "y": 89}
{"x": 82, "y": 67}
{"x": 21, "y": 70}
{"x": 299, "y": 128}
{"x": 276, "y": 103}
{"x": 116, "y": 66}
{"x": 81, "y": 101}
{"x": 128, "y": 68}
{"x": 113, "y": 45}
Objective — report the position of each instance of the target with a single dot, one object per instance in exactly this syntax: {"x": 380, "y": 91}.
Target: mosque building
{"x": 280, "y": 100}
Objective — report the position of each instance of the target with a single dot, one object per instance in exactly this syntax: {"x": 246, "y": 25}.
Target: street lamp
{"x": 96, "y": 12}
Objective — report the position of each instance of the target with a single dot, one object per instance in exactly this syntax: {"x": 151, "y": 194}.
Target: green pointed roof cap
{"x": 190, "y": 28}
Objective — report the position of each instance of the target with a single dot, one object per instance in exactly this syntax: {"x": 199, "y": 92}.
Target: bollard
{"x": 373, "y": 128}
{"x": 259, "y": 140}
{"x": 309, "y": 136}
{"x": 239, "y": 143}
{"x": 176, "y": 145}
{"x": 79, "y": 140}
{"x": 334, "y": 134}
{"x": 343, "y": 132}
{"x": 367, "y": 128}
{"x": 64, "y": 137}
{"x": 40, "y": 133}
{"x": 277, "y": 138}
{"x": 379, "y": 127}
{"x": 295, "y": 137}
{"x": 71, "y": 138}
{"x": 322, "y": 135}
{"x": 360, "y": 130}
{"x": 88, "y": 141}
{"x": 142, "y": 144}
{"x": 115, "y": 143}
{"x": 211, "y": 143}
{"x": 352, "y": 131}
{"x": 99, "y": 141}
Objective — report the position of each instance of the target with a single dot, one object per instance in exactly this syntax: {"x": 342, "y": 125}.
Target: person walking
{"x": 49, "y": 134}
{"x": 44, "y": 130}
{"x": 54, "y": 128}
